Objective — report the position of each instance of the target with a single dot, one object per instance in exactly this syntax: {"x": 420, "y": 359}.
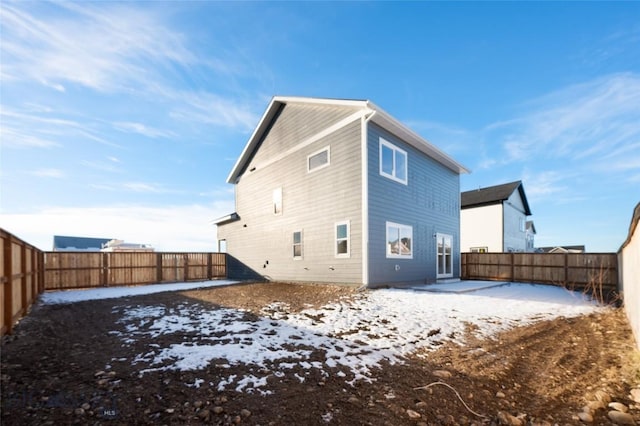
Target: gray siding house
{"x": 339, "y": 191}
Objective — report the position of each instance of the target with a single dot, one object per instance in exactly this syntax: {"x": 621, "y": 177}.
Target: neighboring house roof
{"x": 494, "y": 195}
{"x": 64, "y": 243}
{"x": 363, "y": 108}
{"x": 563, "y": 249}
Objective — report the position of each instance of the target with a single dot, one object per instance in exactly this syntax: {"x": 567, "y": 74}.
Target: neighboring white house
{"x": 531, "y": 237}
{"x": 494, "y": 219}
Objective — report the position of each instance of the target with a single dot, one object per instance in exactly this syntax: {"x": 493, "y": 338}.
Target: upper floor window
{"x": 277, "y": 201}
{"x": 523, "y": 224}
{"x": 319, "y": 159}
{"x": 393, "y": 162}
{"x": 342, "y": 239}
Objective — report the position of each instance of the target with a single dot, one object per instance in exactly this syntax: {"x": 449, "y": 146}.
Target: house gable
{"x": 495, "y": 195}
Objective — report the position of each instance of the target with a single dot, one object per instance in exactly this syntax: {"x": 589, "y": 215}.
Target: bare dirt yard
{"x": 284, "y": 354}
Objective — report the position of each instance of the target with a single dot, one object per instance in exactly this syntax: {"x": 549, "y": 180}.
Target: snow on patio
{"x": 353, "y": 336}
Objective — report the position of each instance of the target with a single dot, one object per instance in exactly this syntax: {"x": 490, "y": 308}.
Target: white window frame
{"x": 523, "y": 224}
{"x": 313, "y": 154}
{"x": 407, "y": 229}
{"x": 395, "y": 150}
{"x": 444, "y": 274}
{"x": 294, "y": 244}
{"x": 337, "y": 240}
{"x": 277, "y": 202}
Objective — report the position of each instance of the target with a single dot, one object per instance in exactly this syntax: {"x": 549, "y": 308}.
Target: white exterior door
{"x": 444, "y": 244}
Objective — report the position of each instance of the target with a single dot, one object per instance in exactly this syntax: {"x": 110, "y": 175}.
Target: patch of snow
{"x": 196, "y": 383}
{"x": 71, "y": 296}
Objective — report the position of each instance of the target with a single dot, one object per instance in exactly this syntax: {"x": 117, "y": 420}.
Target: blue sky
{"x": 123, "y": 120}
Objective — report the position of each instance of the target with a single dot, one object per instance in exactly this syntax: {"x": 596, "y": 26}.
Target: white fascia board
{"x": 386, "y": 121}
{"x": 321, "y": 101}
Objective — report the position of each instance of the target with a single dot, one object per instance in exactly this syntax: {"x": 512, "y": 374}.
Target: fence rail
{"x": 22, "y": 279}
{"x": 572, "y": 270}
{"x": 66, "y": 270}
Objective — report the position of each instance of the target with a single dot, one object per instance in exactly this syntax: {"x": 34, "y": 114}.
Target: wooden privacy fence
{"x": 22, "y": 280}
{"x": 571, "y": 270}
{"x": 64, "y": 270}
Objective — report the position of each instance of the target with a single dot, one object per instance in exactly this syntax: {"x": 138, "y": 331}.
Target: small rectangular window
{"x": 297, "y": 245}
{"x": 277, "y": 201}
{"x": 342, "y": 239}
{"x": 393, "y": 162}
{"x": 319, "y": 159}
{"x": 523, "y": 225}
{"x": 399, "y": 240}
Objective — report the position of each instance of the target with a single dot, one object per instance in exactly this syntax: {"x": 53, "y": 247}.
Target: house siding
{"x": 430, "y": 203}
{"x": 313, "y": 202}
{"x": 481, "y": 227}
{"x": 294, "y": 124}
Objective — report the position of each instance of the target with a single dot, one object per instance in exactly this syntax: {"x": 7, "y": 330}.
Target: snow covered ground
{"x": 70, "y": 296}
{"x": 354, "y": 335}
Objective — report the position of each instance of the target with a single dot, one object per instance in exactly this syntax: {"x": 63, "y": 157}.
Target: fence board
{"x": 21, "y": 281}
{"x": 66, "y": 270}
{"x": 571, "y": 270}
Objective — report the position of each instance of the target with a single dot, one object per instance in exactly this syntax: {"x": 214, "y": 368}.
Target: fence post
{"x": 159, "y": 272}
{"x": 513, "y": 261}
{"x": 104, "y": 269}
{"x": 209, "y": 266}
{"x": 186, "y": 267}
{"x": 23, "y": 278}
{"x": 8, "y": 284}
{"x": 566, "y": 269}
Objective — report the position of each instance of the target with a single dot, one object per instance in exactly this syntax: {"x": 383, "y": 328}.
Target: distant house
{"x": 562, "y": 249}
{"x": 119, "y": 246}
{"x": 332, "y": 190}
{"x": 494, "y": 219}
{"x": 64, "y": 243}
{"x": 530, "y": 237}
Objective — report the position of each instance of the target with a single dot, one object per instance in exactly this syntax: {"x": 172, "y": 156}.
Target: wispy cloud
{"x": 543, "y": 184}
{"x": 140, "y": 187}
{"x": 142, "y": 129}
{"x": 102, "y": 47}
{"x": 212, "y": 109}
{"x": 144, "y": 187}
{"x": 48, "y": 173}
{"x": 586, "y": 120}
{"x": 44, "y": 130}
{"x": 105, "y": 166}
